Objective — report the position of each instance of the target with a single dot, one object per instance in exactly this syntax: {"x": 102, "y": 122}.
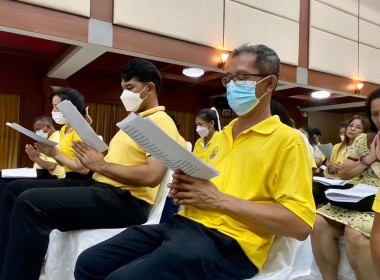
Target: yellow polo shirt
{"x": 124, "y": 151}
{"x": 65, "y": 143}
{"x": 59, "y": 171}
{"x": 202, "y": 151}
{"x": 267, "y": 163}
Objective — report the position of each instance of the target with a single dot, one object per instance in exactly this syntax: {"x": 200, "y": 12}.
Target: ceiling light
{"x": 320, "y": 94}
{"x": 193, "y": 72}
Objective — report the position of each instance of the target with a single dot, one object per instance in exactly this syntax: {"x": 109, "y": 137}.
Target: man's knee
{"x": 84, "y": 266}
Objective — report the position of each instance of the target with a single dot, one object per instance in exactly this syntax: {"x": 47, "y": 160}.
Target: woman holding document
{"x": 355, "y": 126}
{"x": 333, "y": 222}
{"x": 65, "y": 153}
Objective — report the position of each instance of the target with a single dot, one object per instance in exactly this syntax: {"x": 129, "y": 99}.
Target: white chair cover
{"x": 65, "y": 247}
{"x": 287, "y": 259}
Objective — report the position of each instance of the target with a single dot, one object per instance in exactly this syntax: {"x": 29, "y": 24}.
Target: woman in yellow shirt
{"x": 355, "y": 126}
{"x": 64, "y": 155}
{"x": 207, "y": 122}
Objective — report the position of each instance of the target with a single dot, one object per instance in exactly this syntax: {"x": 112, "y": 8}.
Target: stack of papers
{"x": 19, "y": 173}
{"x": 354, "y": 194}
{"x": 329, "y": 182}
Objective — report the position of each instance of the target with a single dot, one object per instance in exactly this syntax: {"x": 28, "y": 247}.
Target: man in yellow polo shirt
{"x": 47, "y": 167}
{"x": 122, "y": 189}
{"x": 228, "y": 223}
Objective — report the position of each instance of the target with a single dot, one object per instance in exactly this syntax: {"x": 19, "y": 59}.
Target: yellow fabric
{"x": 182, "y": 141}
{"x": 339, "y": 156}
{"x": 59, "y": 171}
{"x": 65, "y": 141}
{"x": 267, "y": 163}
{"x": 124, "y": 151}
{"x": 202, "y": 151}
{"x": 376, "y": 204}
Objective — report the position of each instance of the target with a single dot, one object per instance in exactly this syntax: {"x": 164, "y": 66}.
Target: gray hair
{"x": 267, "y": 60}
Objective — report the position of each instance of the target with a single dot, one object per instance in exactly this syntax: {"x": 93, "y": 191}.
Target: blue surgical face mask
{"x": 242, "y": 99}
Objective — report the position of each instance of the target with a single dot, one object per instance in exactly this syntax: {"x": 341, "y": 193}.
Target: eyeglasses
{"x": 356, "y": 127}
{"x": 239, "y": 79}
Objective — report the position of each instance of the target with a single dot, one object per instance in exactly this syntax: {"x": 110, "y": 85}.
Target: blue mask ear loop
{"x": 266, "y": 91}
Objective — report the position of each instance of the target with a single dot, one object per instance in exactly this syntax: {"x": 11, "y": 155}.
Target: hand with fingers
{"x": 50, "y": 151}
{"x": 32, "y": 152}
{"x": 89, "y": 157}
{"x": 187, "y": 190}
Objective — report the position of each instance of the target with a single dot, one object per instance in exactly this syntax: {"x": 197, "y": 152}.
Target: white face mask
{"x": 202, "y": 131}
{"x": 131, "y": 100}
{"x": 42, "y": 133}
{"x": 58, "y": 118}
{"x": 341, "y": 137}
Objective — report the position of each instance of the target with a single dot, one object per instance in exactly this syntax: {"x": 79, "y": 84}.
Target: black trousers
{"x": 30, "y": 209}
{"x": 180, "y": 249}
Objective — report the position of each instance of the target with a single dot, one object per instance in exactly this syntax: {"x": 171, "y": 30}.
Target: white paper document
{"x": 19, "y": 173}
{"x": 156, "y": 142}
{"x": 30, "y": 134}
{"x": 353, "y": 194}
{"x": 81, "y": 126}
{"x": 326, "y": 149}
{"x": 329, "y": 182}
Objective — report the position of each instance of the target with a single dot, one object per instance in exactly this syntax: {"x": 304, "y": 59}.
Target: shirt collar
{"x": 266, "y": 126}
{"x": 152, "y": 111}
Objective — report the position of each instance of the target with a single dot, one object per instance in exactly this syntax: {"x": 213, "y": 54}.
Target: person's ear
{"x": 212, "y": 123}
{"x": 151, "y": 88}
{"x": 272, "y": 83}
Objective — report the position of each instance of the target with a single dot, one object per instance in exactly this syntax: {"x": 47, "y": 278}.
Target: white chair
{"x": 287, "y": 259}
{"x": 65, "y": 247}
{"x": 345, "y": 272}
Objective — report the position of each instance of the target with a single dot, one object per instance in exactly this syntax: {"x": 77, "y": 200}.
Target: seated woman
{"x": 308, "y": 132}
{"x": 207, "y": 122}
{"x": 333, "y": 222}
{"x": 355, "y": 126}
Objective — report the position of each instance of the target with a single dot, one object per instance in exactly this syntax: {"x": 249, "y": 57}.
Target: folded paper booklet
{"x": 326, "y": 149}
{"x": 156, "y": 142}
{"x": 353, "y": 194}
{"x": 81, "y": 126}
{"x": 329, "y": 182}
{"x": 19, "y": 173}
{"x": 31, "y": 134}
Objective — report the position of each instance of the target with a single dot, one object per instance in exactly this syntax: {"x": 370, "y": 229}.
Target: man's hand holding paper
{"x": 187, "y": 190}
{"x": 89, "y": 157}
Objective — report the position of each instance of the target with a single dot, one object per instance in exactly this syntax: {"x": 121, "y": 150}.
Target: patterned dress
{"x": 361, "y": 221}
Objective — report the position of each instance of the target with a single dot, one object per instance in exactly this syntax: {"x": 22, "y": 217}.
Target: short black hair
{"x": 267, "y": 60}
{"x": 208, "y": 115}
{"x": 374, "y": 95}
{"x": 44, "y": 119}
{"x": 310, "y": 133}
{"x": 144, "y": 71}
{"x": 72, "y": 95}
{"x": 316, "y": 131}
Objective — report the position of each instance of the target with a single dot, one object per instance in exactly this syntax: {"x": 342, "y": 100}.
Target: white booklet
{"x": 353, "y": 194}
{"x": 146, "y": 133}
{"x": 81, "y": 126}
{"x": 30, "y": 134}
{"x": 329, "y": 181}
{"x": 326, "y": 149}
{"x": 19, "y": 173}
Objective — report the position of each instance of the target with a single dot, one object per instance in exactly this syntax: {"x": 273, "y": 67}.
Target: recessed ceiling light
{"x": 320, "y": 94}
{"x": 193, "y": 72}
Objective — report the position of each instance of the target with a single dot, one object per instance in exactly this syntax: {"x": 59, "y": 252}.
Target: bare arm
{"x": 375, "y": 241}
{"x": 35, "y": 157}
{"x": 270, "y": 217}
{"x": 62, "y": 159}
{"x": 149, "y": 174}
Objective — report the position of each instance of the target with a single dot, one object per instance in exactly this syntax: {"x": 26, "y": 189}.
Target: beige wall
{"x": 328, "y": 123}
{"x": 76, "y": 7}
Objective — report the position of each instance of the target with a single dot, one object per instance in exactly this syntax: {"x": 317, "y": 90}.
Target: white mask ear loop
{"x": 217, "y": 116}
